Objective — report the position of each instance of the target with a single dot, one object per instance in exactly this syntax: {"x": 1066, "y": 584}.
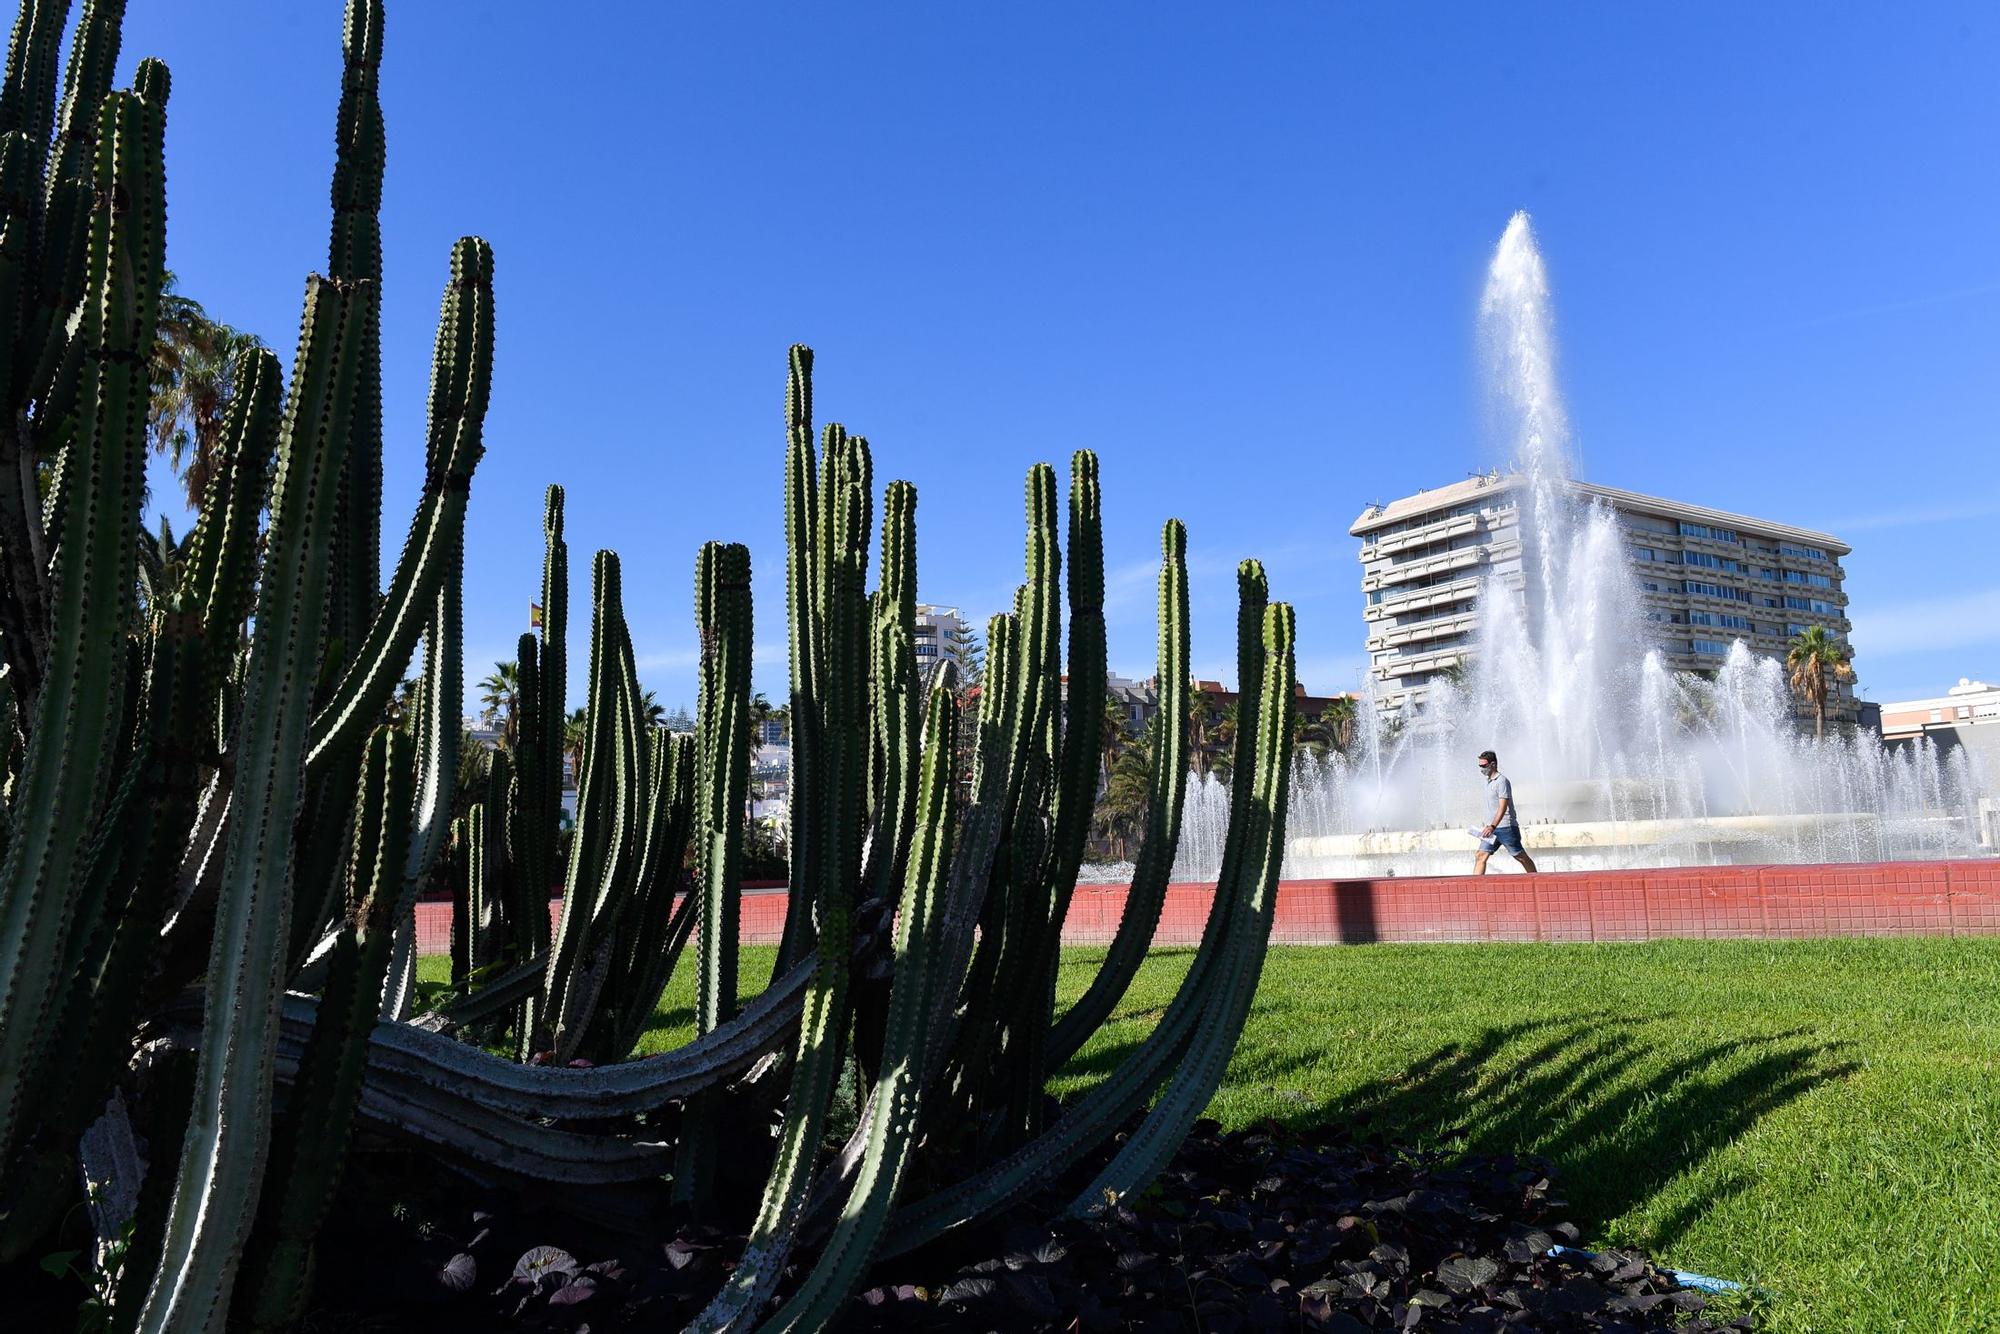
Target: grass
{"x": 1819, "y": 1118}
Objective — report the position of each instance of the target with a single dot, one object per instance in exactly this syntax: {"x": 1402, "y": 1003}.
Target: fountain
{"x": 1616, "y": 760}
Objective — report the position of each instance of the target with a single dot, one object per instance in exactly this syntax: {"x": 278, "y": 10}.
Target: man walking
{"x": 1503, "y": 824}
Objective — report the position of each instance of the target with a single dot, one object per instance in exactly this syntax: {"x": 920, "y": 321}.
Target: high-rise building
{"x": 1705, "y": 578}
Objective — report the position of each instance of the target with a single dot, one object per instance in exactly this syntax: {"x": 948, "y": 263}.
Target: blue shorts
{"x": 1507, "y": 838}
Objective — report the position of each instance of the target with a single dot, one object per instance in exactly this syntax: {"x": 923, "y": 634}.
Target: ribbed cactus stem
{"x": 1148, "y": 1149}
{"x": 65, "y": 772}
{"x": 722, "y": 602}
{"x": 898, "y": 1097}
{"x": 461, "y": 385}
{"x": 354, "y": 254}
{"x": 1166, "y": 792}
{"x": 222, "y": 1160}
{"x": 804, "y": 646}
{"x": 722, "y": 618}
{"x": 310, "y": 1146}
{"x": 603, "y": 846}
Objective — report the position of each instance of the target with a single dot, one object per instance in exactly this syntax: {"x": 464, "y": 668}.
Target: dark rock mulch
{"x": 1271, "y": 1229}
{"x": 1277, "y": 1230}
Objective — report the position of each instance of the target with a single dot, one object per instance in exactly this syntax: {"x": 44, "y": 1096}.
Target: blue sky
{"x": 1236, "y": 250}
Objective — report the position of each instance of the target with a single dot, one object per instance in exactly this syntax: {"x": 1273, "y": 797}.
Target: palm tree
{"x": 500, "y": 693}
{"x": 652, "y": 713}
{"x": 1111, "y": 737}
{"x": 1202, "y": 727}
{"x": 1337, "y": 719}
{"x": 193, "y": 375}
{"x": 1814, "y": 656}
{"x": 576, "y": 732}
{"x": 761, "y": 712}
{"x": 1127, "y": 794}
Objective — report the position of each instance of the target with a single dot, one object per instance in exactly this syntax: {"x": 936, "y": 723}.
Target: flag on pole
{"x": 534, "y": 616}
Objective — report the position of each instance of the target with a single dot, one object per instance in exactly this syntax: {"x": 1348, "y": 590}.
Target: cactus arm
{"x": 310, "y": 1145}
{"x": 803, "y": 634}
{"x": 93, "y": 54}
{"x": 1167, "y": 787}
{"x": 222, "y": 1159}
{"x": 1076, "y": 781}
{"x": 1115, "y": 1099}
{"x": 1147, "y": 1150}
{"x": 896, "y": 715}
{"x": 541, "y": 799}
{"x": 221, "y": 565}
{"x": 897, "y": 1106}
{"x": 608, "y": 813}
{"x": 461, "y": 382}
{"x": 478, "y": 892}
{"x": 26, "y": 582}
{"x": 354, "y": 254}
{"x": 27, "y": 93}
{"x": 663, "y": 929}
{"x": 823, "y": 1025}
{"x": 64, "y": 771}
{"x": 443, "y": 693}
{"x": 722, "y": 615}
{"x": 448, "y": 1071}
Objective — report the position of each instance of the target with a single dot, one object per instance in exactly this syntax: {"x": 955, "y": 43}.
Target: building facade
{"x": 1705, "y": 579}
{"x": 941, "y": 633}
{"x": 1968, "y": 704}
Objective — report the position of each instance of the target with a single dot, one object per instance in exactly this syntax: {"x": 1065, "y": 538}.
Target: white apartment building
{"x": 1706, "y": 578}
{"x": 941, "y": 633}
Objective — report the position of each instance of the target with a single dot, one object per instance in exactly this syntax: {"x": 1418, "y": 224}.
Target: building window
{"x": 1710, "y": 647}
{"x": 1715, "y": 590}
{"x": 1803, "y": 553}
{"x": 1712, "y": 534}
{"x": 1937, "y": 715}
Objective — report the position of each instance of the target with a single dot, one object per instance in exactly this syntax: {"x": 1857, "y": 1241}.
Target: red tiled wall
{"x": 1840, "y": 899}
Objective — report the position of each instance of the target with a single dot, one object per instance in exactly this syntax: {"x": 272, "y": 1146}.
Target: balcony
{"x": 1416, "y": 599}
{"x": 1423, "y": 632}
{"x": 1421, "y": 663}
{"x": 1442, "y": 530}
{"x": 1423, "y": 569}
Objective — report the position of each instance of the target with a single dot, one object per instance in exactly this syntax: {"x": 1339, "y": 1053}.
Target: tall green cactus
{"x": 722, "y": 731}
{"x": 228, "y": 1134}
{"x": 64, "y": 773}
{"x": 354, "y": 254}
{"x": 310, "y": 1145}
{"x": 899, "y": 1089}
{"x": 1166, "y": 791}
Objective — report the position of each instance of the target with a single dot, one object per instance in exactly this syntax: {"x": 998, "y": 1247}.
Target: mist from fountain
{"x": 1619, "y": 760}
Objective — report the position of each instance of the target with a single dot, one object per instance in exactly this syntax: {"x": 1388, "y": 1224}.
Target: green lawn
{"x": 1821, "y": 1118}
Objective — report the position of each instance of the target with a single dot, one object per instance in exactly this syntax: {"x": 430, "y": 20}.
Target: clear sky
{"x": 1234, "y": 249}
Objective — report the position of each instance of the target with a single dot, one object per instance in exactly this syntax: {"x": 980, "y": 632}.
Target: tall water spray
{"x": 1616, "y": 759}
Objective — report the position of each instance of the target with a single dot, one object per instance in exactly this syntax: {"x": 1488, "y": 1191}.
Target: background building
{"x": 1965, "y": 718}
{"x": 942, "y": 633}
{"x": 1705, "y": 579}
